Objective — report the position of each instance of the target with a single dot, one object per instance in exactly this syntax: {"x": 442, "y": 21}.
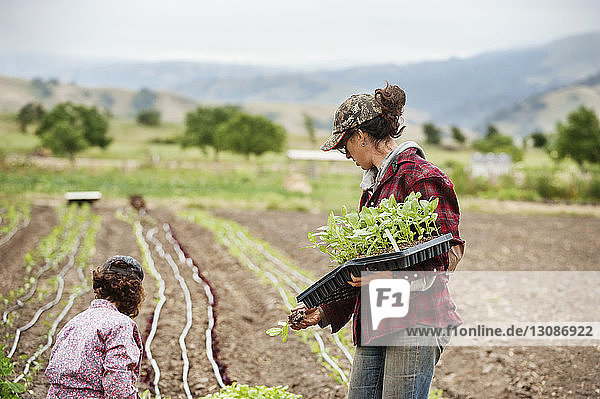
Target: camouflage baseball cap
{"x": 356, "y": 110}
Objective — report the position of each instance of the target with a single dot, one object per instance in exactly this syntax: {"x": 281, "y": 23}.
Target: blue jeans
{"x": 402, "y": 371}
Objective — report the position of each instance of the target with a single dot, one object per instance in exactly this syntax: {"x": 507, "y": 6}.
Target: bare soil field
{"x": 494, "y": 242}
{"x": 247, "y": 306}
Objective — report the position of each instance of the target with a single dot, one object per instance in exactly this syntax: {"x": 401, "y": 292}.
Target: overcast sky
{"x": 285, "y": 32}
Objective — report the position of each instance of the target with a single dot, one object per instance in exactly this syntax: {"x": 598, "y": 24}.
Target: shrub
{"x": 579, "y": 137}
{"x": 250, "y": 134}
{"x": 498, "y": 143}
{"x": 148, "y": 117}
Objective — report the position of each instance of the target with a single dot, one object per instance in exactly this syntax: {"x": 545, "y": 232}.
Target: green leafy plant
{"x": 436, "y": 394}
{"x": 8, "y": 389}
{"x": 282, "y": 329}
{"x": 296, "y": 316}
{"x": 235, "y": 391}
{"x": 386, "y": 228}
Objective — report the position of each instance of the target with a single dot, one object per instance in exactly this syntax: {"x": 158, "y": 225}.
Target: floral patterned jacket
{"x": 97, "y": 355}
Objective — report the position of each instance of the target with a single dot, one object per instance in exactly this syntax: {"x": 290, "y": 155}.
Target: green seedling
{"x": 236, "y": 390}
{"x": 389, "y": 227}
{"x": 282, "y": 330}
{"x": 8, "y": 389}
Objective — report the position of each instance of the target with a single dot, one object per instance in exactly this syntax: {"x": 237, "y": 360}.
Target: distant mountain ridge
{"x": 541, "y": 112}
{"x": 16, "y": 92}
{"x": 456, "y": 91}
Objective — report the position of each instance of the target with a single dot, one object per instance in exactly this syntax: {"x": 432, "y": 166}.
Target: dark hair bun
{"x": 391, "y": 99}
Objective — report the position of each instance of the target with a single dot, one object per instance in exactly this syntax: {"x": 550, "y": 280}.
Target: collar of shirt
{"x": 103, "y": 303}
{"x": 372, "y": 177}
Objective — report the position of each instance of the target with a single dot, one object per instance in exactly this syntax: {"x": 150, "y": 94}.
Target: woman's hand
{"x": 312, "y": 316}
{"x": 359, "y": 281}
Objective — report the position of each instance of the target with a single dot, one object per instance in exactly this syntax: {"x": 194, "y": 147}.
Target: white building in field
{"x": 490, "y": 165}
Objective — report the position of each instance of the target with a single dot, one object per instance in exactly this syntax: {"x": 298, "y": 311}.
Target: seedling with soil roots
{"x": 296, "y": 316}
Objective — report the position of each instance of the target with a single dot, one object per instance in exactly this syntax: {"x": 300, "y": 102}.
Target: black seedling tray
{"x": 334, "y": 285}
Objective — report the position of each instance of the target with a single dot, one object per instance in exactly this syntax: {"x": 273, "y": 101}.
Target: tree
{"x": 28, "y": 114}
{"x": 250, "y": 134}
{"x": 309, "y": 125}
{"x": 62, "y": 138}
{"x": 579, "y": 137}
{"x": 41, "y": 88}
{"x": 69, "y": 128}
{"x": 201, "y": 126}
{"x": 433, "y": 135}
{"x": 148, "y": 117}
{"x": 498, "y": 143}
{"x": 457, "y": 135}
{"x": 95, "y": 126}
{"x": 539, "y": 139}
{"x": 143, "y": 99}
{"x": 491, "y": 131}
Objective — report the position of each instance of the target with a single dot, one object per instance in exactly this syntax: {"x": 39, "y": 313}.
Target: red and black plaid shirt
{"x": 434, "y": 306}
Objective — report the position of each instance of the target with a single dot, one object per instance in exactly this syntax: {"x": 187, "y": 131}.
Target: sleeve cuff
{"x": 323, "y": 322}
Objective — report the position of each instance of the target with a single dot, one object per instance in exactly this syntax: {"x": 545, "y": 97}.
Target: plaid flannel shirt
{"x": 434, "y": 306}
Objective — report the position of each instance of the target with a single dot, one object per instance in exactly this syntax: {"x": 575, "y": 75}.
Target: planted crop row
{"x": 280, "y": 283}
{"x": 48, "y": 255}
{"x": 284, "y": 277}
{"x": 13, "y": 217}
{"x": 60, "y": 280}
{"x": 79, "y": 257}
{"x": 295, "y": 277}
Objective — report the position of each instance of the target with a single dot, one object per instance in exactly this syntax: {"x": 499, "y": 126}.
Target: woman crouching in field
{"x": 98, "y": 353}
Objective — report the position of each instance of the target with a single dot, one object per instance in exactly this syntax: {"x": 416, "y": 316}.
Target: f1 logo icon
{"x": 388, "y": 298}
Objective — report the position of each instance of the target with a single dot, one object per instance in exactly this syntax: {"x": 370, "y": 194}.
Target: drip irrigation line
{"x": 50, "y": 264}
{"x": 218, "y": 367}
{"x": 243, "y": 239}
{"x": 228, "y": 241}
{"x": 274, "y": 259}
{"x": 284, "y": 270}
{"x": 343, "y": 347}
{"x": 51, "y": 333}
{"x": 326, "y": 357}
{"x": 188, "y": 306}
{"x": 74, "y": 295}
{"x": 14, "y": 231}
{"x": 138, "y": 229}
{"x": 61, "y": 284}
{"x": 277, "y": 284}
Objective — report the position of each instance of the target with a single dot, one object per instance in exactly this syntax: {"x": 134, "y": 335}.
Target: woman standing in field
{"x": 389, "y": 363}
{"x": 98, "y": 353}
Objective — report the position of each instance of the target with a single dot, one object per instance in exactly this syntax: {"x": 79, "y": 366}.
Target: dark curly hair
{"x": 125, "y": 291}
{"x": 392, "y": 100}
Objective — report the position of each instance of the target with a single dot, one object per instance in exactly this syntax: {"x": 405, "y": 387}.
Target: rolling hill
{"x": 16, "y": 92}
{"x": 541, "y": 112}
{"x": 469, "y": 92}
